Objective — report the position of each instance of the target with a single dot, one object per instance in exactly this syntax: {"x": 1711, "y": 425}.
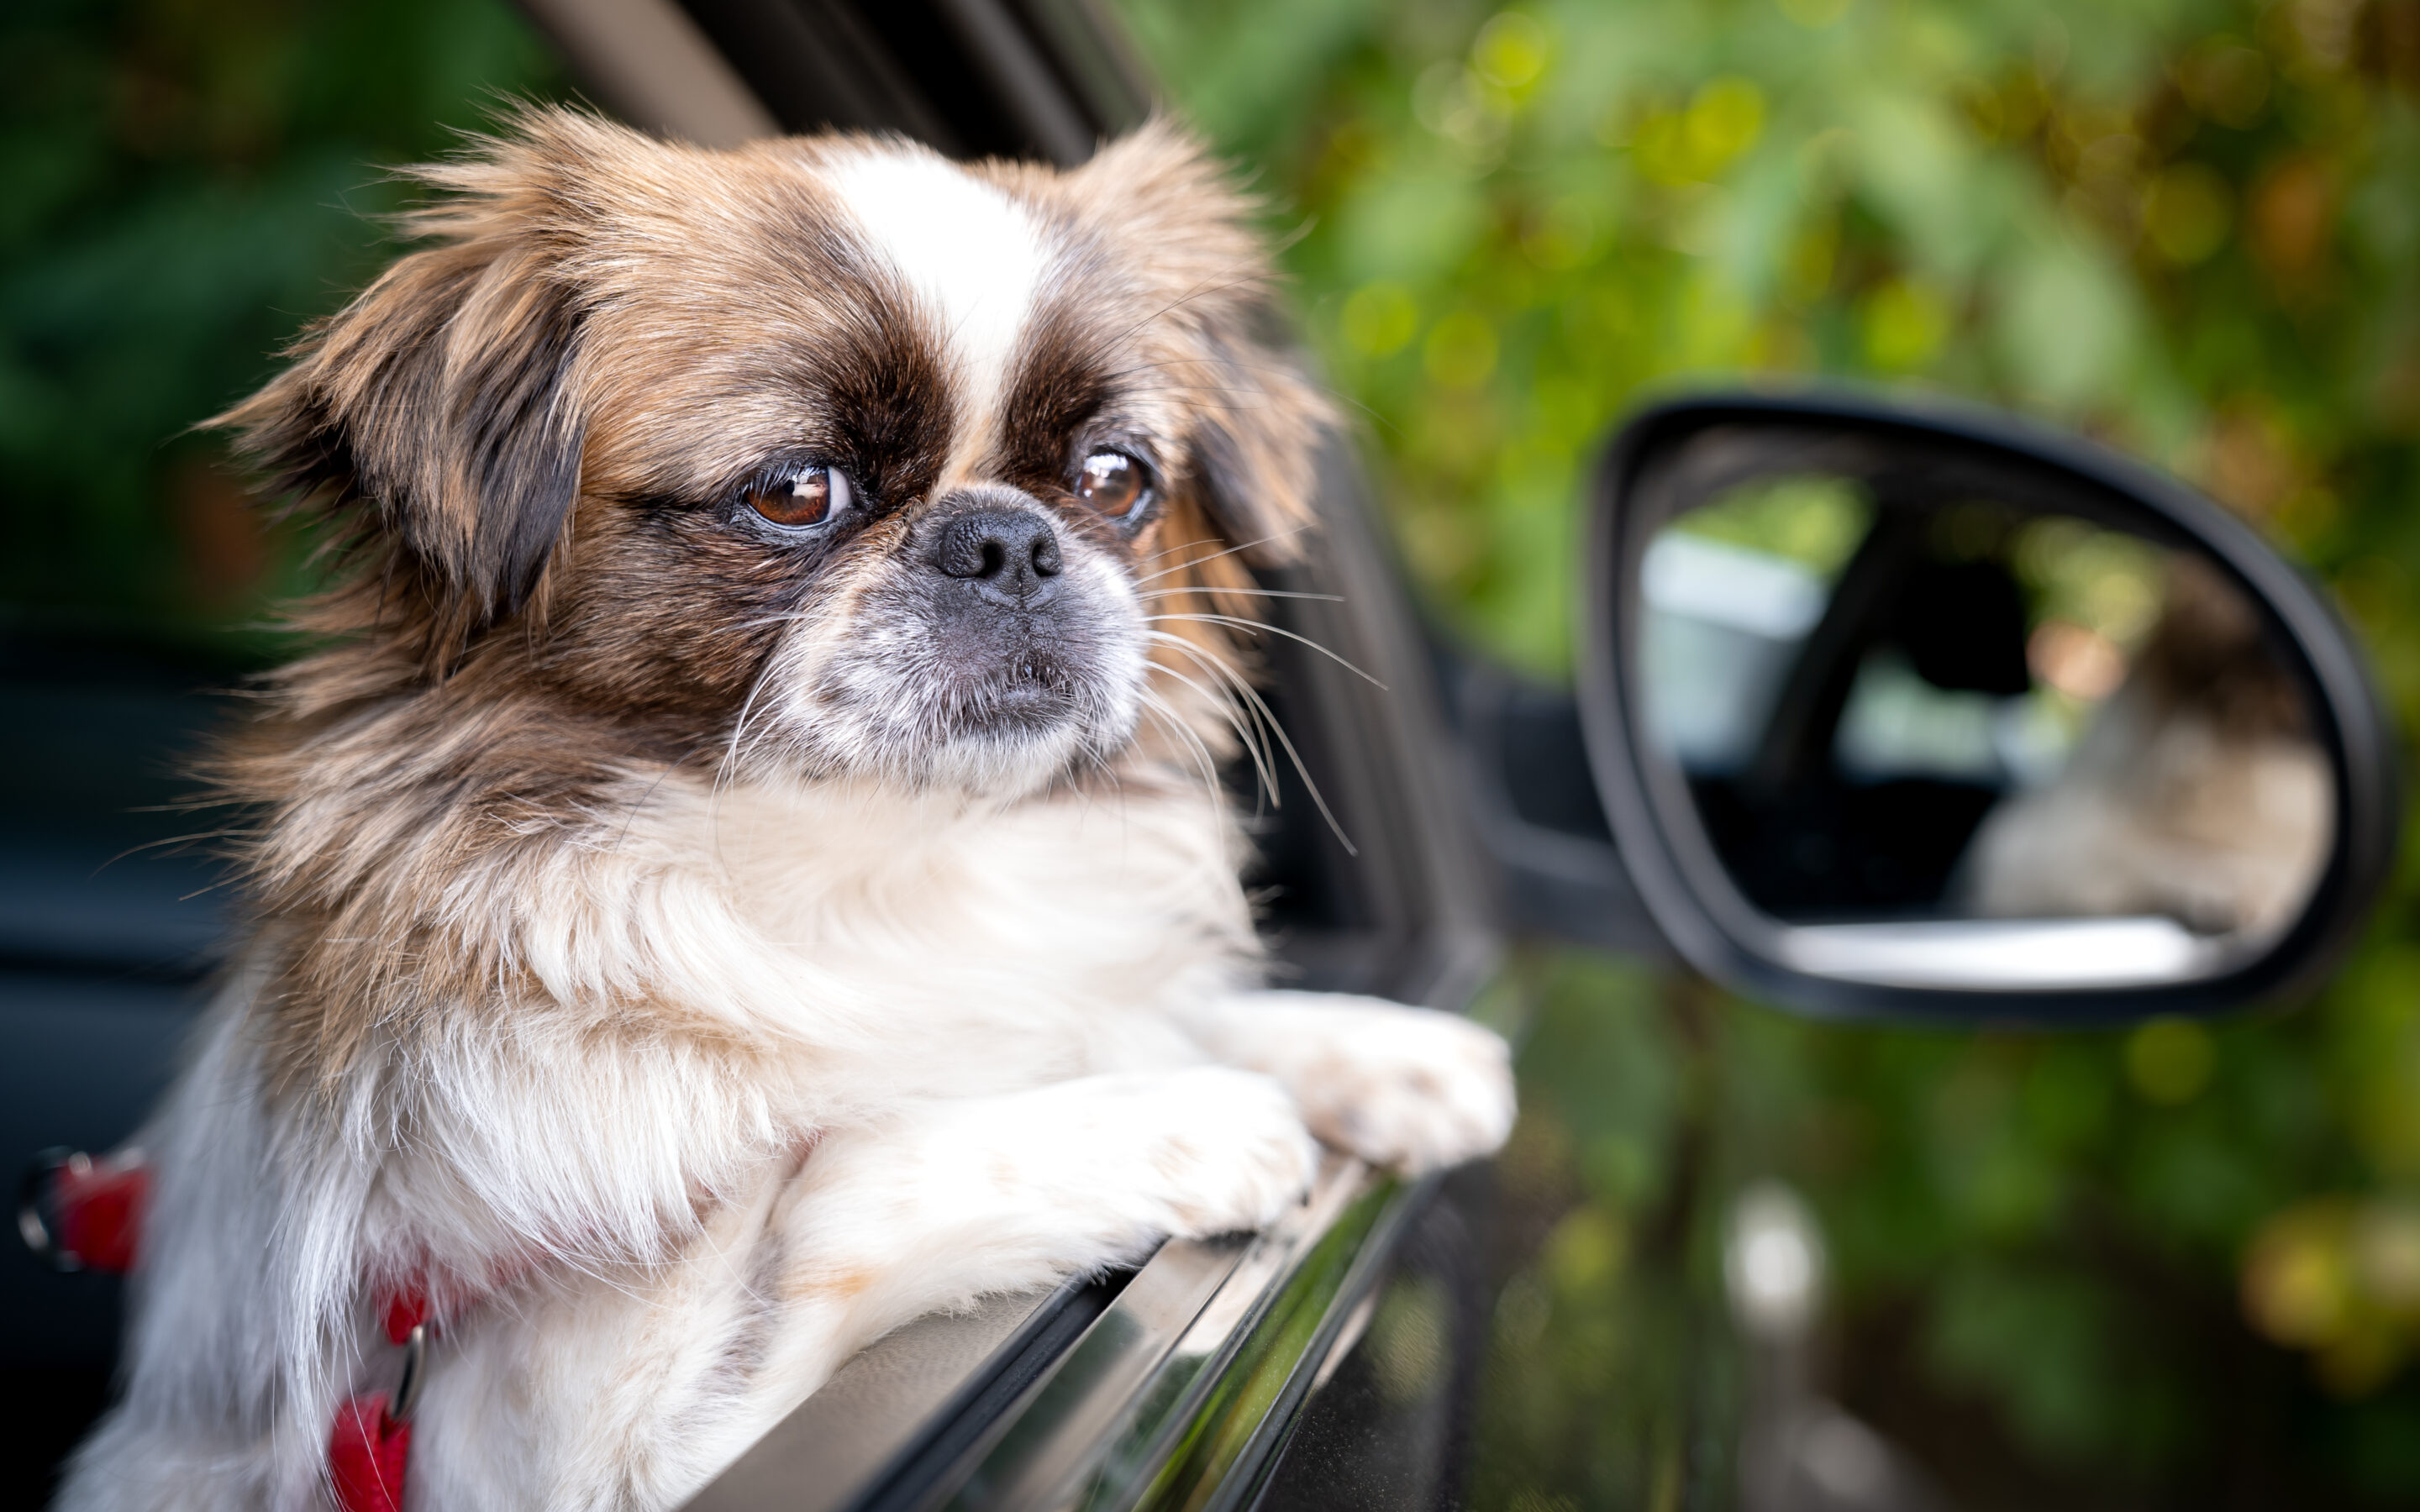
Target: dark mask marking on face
{"x": 1062, "y": 384}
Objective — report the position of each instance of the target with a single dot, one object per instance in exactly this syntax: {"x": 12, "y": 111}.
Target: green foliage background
{"x": 2180, "y": 1266}
{"x": 182, "y": 184}
{"x": 2177, "y": 1266}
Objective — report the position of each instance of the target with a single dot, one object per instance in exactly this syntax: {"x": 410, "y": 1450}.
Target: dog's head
{"x": 825, "y": 454}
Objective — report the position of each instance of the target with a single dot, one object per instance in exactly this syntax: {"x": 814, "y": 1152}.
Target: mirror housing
{"x": 2075, "y": 968}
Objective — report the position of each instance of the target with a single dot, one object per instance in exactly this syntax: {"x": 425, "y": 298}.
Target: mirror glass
{"x": 1945, "y": 728}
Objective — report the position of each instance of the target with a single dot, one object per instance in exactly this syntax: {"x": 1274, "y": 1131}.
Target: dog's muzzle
{"x": 1015, "y": 630}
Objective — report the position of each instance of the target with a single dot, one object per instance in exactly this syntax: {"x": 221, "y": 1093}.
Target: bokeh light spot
{"x": 2185, "y": 214}
{"x": 1904, "y": 325}
{"x": 1726, "y": 116}
{"x": 1379, "y": 318}
{"x": 2170, "y": 1060}
{"x": 1462, "y": 350}
{"x": 1584, "y": 1250}
{"x": 2296, "y": 1286}
{"x": 1511, "y": 50}
{"x": 2385, "y": 1243}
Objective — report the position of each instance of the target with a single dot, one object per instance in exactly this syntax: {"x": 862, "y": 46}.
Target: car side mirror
{"x": 1925, "y": 711}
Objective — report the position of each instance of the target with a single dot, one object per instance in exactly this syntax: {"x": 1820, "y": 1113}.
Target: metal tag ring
{"x": 415, "y": 1372}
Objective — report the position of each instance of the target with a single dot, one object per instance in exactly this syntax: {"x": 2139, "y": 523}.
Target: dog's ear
{"x": 1255, "y": 446}
{"x": 1177, "y": 217}
{"x": 435, "y": 414}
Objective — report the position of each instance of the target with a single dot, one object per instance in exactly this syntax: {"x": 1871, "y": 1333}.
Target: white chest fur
{"x": 919, "y": 947}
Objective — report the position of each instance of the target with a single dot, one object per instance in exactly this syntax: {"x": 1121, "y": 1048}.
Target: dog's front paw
{"x": 1404, "y": 1087}
{"x": 1230, "y": 1148}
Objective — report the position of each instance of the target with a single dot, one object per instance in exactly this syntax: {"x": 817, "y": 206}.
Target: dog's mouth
{"x": 931, "y": 683}
{"x": 1027, "y": 704}
{"x": 1024, "y": 688}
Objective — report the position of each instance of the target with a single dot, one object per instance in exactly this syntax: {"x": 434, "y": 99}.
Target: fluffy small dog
{"x": 735, "y": 873}
{"x": 2196, "y": 791}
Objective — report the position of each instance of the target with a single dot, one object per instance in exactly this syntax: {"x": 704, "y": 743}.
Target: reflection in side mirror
{"x": 1946, "y": 709}
{"x": 1904, "y": 710}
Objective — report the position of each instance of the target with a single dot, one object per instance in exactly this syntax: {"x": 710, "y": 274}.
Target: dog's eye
{"x": 1112, "y": 483}
{"x": 811, "y": 496}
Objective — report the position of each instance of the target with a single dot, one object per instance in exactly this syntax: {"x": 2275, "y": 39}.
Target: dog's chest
{"x": 1039, "y": 939}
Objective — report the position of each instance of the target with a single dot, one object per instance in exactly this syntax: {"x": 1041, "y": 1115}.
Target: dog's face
{"x": 825, "y": 456}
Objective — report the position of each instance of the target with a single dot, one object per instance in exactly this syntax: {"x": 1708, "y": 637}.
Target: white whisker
{"x": 1255, "y": 626}
{"x": 1275, "y": 535}
{"x": 1269, "y": 719}
{"x": 1187, "y": 546}
{"x": 1174, "y": 723}
{"x": 1240, "y": 593}
{"x": 1264, "y": 760}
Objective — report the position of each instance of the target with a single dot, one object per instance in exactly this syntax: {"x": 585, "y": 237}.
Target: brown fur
{"x": 2208, "y": 657}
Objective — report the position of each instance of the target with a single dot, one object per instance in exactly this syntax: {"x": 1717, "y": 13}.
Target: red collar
{"x": 86, "y": 1214}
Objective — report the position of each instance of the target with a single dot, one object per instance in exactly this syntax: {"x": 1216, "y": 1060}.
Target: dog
{"x": 735, "y": 870}
{"x": 2196, "y": 791}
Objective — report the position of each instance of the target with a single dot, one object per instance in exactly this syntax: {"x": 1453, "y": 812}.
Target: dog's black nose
{"x": 1002, "y": 553}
